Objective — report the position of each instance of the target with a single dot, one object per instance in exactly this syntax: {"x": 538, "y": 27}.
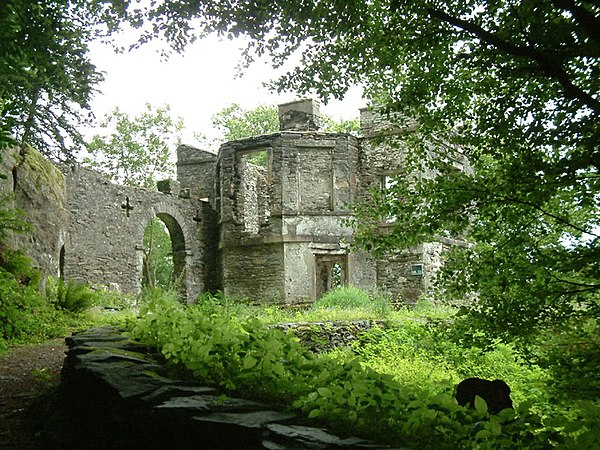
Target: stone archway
{"x": 179, "y": 250}
{"x": 178, "y": 234}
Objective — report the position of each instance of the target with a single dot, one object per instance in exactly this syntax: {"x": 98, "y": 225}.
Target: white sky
{"x": 196, "y": 85}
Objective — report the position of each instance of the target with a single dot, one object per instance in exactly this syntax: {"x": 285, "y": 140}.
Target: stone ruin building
{"x": 264, "y": 219}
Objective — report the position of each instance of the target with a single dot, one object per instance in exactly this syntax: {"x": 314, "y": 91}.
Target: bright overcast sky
{"x": 196, "y": 85}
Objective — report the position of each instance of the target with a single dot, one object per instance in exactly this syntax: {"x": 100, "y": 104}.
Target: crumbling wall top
{"x": 300, "y": 115}
{"x": 374, "y": 121}
{"x": 186, "y": 154}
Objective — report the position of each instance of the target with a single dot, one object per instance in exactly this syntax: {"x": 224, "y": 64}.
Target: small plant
{"x": 42, "y": 376}
{"x": 345, "y": 297}
{"x": 72, "y": 296}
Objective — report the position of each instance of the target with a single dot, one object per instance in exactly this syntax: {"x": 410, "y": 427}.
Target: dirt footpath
{"x": 25, "y": 372}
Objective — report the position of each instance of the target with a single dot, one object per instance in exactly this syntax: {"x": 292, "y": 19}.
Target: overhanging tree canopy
{"x": 46, "y": 76}
{"x": 514, "y": 83}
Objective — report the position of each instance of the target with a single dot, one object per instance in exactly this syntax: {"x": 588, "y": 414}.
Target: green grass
{"x": 340, "y": 304}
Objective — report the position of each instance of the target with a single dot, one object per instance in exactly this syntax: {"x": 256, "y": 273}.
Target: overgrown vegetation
{"x": 24, "y": 313}
{"x": 396, "y": 384}
{"x": 343, "y": 303}
{"x": 29, "y": 315}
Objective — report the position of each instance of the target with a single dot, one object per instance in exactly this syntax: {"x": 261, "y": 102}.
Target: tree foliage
{"x": 235, "y": 122}
{"x": 158, "y": 256}
{"x": 515, "y": 84}
{"x": 137, "y": 150}
{"x": 46, "y": 76}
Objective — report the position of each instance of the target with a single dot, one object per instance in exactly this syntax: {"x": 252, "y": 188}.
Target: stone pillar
{"x": 301, "y": 115}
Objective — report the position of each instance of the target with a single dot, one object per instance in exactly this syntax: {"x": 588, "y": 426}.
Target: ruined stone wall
{"x": 291, "y": 211}
{"x": 36, "y": 186}
{"x": 377, "y": 123}
{"x": 380, "y": 158}
{"x": 250, "y": 241}
{"x": 397, "y": 275}
{"x": 318, "y": 183}
{"x": 266, "y": 219}
{"x": 105, "y": 239}
{"x": 404, "y": 275}
{"x": 196, "y": 171}
{"x": 253, "y": 272}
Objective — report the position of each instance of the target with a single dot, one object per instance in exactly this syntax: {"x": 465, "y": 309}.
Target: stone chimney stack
{"x": 301, "y": 115}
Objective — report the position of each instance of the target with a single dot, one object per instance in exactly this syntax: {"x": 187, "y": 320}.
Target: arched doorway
{"x": 164, "y": 253}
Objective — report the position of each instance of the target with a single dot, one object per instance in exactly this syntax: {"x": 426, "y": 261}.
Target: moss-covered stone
{"x": 39, "y": 191}
{"x": 46, "y": 177}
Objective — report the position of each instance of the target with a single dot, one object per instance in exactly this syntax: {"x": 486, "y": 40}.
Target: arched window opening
{"x": 164, "y": 254}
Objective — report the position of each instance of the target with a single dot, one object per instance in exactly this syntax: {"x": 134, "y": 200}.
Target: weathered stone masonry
{"x": 89, "y": 229}
{"x": 105, "y": 238}
{"x": 265, "y": 219}
{"x": 297, "y": 207}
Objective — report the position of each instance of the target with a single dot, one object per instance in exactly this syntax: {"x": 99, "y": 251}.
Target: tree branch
{"x": 496, "y": 198}
{"x": 552, "y": 67}
{"x": 588, "y": 21}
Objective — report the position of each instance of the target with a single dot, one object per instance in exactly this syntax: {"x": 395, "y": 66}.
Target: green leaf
{"x": 314, "y": 413}
{"x": 249, "y": 362}
{"x": 495, "y": 427}
{"x": 573, "y": 426}
{"x": 480, "y": 405}
{"x": 324, "y": 392}
{"x": 482, "y": 434}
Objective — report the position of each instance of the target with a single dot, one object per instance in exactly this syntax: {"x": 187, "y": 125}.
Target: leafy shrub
{"x": 24, "y": 312}
{"x": 245, "y": 356}
{"x": 150, "y": 295}
{"x": 421, "y": 354}
{"x": 111, "y": 298}
{"x": 27, "y": 315}
{"x": 114, "y": 299}
{"x": 19, "y": 267}
{"x": 572, "y": 355}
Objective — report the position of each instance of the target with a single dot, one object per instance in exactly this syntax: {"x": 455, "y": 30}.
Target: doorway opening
{"x": 61, "y": 263}
{"x": 331, "y": 272}
{"x": 163, "y": 257}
